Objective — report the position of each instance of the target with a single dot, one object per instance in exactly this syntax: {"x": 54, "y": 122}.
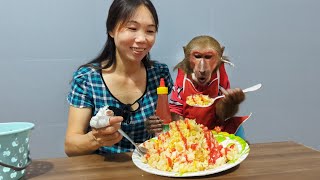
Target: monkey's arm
{"x": 229, "y": 105}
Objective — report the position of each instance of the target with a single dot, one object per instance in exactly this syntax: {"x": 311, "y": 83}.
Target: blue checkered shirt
{"x": 89, "y": 91}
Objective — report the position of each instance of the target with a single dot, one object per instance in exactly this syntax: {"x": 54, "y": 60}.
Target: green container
{"x": 14, "y": 149}
{"x": 165, "y": 128}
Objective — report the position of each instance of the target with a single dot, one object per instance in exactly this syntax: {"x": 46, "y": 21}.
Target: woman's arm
{"x": 80, "y": 142}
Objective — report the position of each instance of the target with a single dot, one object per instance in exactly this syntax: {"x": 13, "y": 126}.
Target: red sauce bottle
{"x": 163, "y": 110}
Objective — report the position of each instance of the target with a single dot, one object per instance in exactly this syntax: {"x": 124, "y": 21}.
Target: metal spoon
{"x": 141, "y": 150}
{"x": 249, "y": 89}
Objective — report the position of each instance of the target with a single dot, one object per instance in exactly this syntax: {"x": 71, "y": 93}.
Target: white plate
{"x": 243, "y": 149}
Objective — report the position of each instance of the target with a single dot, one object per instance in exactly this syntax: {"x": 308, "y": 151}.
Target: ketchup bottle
{"x": 163, "y": 110}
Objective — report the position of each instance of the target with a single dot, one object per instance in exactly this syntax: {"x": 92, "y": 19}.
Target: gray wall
{"x": 274, "y": 42}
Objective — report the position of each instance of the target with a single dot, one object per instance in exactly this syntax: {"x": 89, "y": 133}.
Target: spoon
{"x": 252, "y": 88}
{"x": 141, "y": 150}
{"x": 249, "y": 89}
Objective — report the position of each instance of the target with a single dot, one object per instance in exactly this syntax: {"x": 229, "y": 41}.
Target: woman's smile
{"x": 139, "y": 50}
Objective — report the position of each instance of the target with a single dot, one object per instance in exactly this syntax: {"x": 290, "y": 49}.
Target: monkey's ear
{"x": 184, "y": 50}
{"x": 222, "y": 50}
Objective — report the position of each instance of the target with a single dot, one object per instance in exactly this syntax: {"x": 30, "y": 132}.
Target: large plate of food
{"x": 189, "y": 149}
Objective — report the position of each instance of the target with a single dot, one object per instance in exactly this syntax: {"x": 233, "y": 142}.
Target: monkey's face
{"x": 204, "y": 62}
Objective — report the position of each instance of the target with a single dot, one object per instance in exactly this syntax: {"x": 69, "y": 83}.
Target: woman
{"x": 122, "y": 77}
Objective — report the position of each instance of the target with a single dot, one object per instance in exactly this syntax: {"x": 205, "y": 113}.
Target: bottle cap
{"x": 162, "y": 89}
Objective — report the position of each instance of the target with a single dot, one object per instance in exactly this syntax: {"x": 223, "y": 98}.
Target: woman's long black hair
{"x": 119, "y": 12}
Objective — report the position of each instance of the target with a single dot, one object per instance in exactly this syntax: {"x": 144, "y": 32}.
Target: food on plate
{"x": 188, "y": 147}
{"x": 198, "y": 100}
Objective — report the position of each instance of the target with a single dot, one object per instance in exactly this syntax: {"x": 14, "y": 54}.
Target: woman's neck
{"x": 125, "y": 69}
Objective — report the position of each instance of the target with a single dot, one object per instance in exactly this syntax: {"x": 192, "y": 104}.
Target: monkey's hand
{"x": 228, "y": 106}
{"x": 176, "y": 117}
{"x": 154, "y": 124}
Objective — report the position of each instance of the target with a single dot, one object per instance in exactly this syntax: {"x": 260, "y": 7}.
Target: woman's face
{"x": 135, "y": 38}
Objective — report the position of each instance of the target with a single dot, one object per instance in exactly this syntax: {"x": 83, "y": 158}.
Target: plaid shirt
{"x": 88, "y": 90}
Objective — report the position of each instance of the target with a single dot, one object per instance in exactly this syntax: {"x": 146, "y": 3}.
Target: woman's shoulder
{"x": 159, "y": 66}
{"x": 84, "y": 72}
{"x": 160, "y": 70}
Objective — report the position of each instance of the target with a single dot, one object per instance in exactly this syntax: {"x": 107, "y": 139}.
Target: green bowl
{"x": 14, "y": 149}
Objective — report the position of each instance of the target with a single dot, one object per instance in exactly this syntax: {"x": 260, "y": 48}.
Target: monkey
{"x": 202, "y": 71}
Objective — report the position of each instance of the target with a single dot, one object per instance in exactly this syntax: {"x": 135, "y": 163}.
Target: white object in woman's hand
{"x": 102, "y": 118}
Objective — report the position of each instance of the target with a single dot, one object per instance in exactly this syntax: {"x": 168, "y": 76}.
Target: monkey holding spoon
{"x": 202, "y": 72}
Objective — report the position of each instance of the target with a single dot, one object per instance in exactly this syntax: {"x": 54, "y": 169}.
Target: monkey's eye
{"x": 208, "y": 56}
{"x": 197, "y": 56}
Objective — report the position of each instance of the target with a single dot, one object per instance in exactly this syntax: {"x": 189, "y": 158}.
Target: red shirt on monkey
{"x": 202, "y": 71}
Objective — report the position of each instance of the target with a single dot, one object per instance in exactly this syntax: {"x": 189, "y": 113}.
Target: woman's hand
{"x": 154, "y": 124}
{"x": 108, "y": 136}
{"x": 80, "y": 142}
